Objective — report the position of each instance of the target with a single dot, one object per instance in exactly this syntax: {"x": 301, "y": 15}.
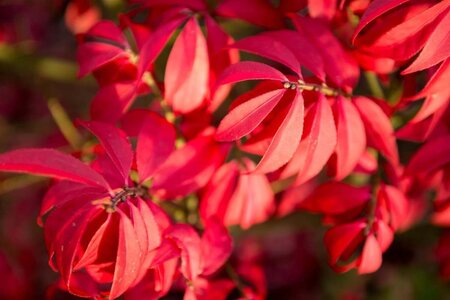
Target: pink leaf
{"x": 51, "y": 163}
{"x": 333, "y": 198}
{"x": 258, "y": 12}
{"x": 112, "y": 101}
{"x": 187, "y": 70}
{"x": 404, "y": 40}
{"x": 155, "y": 44}
{"x": 371, "y": 256}
{"x": 252, "y": 202}
{"x": 435, "y": 49}
{"x": 190, "y": 167}
{"x": 216, "y": 246}
{"x": 340, "y": 66}
{"x": 351, "y": 138}
{"x": 379, "y": 131}
{"x": 436, "y": 91}
{"x": 375, "y": 9}
{"x": 305, "y": 51}
{"x": 128, "y": 257}
{"x": 317, "y": 144}
{"x": 432, "y": 155}
{"x": 116, "y": 145}
{"x": 266, "y": 46}
{"x": 249, "y": 70}
{"x": 286, "y": 139}
{"x": 188, "y": 241}
{"x": 93, "y": 55}
{"x": 246, "y": 117}
{"x": 156, "y": 141}
{"x": 340, "y": 238}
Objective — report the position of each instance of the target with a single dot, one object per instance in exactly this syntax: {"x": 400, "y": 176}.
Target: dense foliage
{"x": 212, "y": 119}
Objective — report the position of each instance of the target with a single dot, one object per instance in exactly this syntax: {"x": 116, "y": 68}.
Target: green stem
{"x": 18, "y": 182}
{"x": 374, "y": 85}
{"x": 64, "y": 123}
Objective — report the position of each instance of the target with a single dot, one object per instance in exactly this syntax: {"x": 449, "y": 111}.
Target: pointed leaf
{"x": 340, "y": 67}
{"x": 269, "y": 47}
{"x": 187, "y": 70}
{"x": 371, "y": 256}
{"x": 128, "y": 257}
{"x": 259, "y": 12}
{"x": 216, "y": 246}
{"x": 435, "y": 49}
{"x": 51, "y": 163}
{"x": 112, "y": 101}
{"x": 286, "y": 139}
{"x": 305, "y": 51}
{"x": 116, "y": 145}
{"x": 373, "y": 11}
{"x": 156, "y": 141}
{"x": 351, "y": 138}
{"x": 317, "y": 144}
{"x": 432, "y": 155}
{"x": 155, "y": 44}
{"x": 379, "y": 131}
{"x": 249, "y": 70}
{"x": 333, "y": 198}
{"x": 246, "y": 117}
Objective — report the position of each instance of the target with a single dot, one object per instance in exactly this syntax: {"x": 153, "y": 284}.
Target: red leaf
{"x": 155, "y": 44}
{"x": 435, "y": 49}
{"x": 252, "y": 202}
{"x": 396, "y": 204}
{"x": 404, "y": 40}
{"x": 340, "y": 66}
{"x": 156, "y": 141}
{"x": 128, "y": 257}
{"x": 51, "y": 163}
{"x": 317, "y": 144}
{"x": 258, "y": 12}
{"x": 237, "y": 198}
{"x": 219, "y": 191}
{"x": 437, "y": 92}
{"x": 305, "y": 52}
{"x": 108, "y": 44}
{"x": 216, "y": 246}
{"x": 65, "y": 191}
{"x": 379, "y": 131}
{"x": 187, "y": 70}
{"x": 107, "y": 30}
{"x": 249, "y": 70}
{"x": 322, "y": 9}
{"x": 375, "y": 9}
{"x": 190, "y": 167}
{"x": 333, "y": 198}
{"x": 91, "y": 252}
{"x": 341, "y": 238}
{"x": 269, "y": 47}
{"x": 246, "y": 117}
{"x": 188, "y": 241}
{"x": 286, "y": 139}
{"x": 371, "y": 256}
{"x": 112, "y": 101}
{"x": 116, "y": 145}
{"x": 351, "y": 138}
{"x": 93, "y": 55}
{"x": 432, "y": 155}
{"x": 151, "y": 223}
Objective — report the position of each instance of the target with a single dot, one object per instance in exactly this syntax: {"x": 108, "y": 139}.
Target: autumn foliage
{"x": 199, "y": 130}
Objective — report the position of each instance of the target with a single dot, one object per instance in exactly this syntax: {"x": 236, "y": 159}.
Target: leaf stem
{"x": 374, "y": 85}
{"x": 64, "y": 123}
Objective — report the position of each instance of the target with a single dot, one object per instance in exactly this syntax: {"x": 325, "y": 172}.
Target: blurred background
{"x": 40, "y": 94}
